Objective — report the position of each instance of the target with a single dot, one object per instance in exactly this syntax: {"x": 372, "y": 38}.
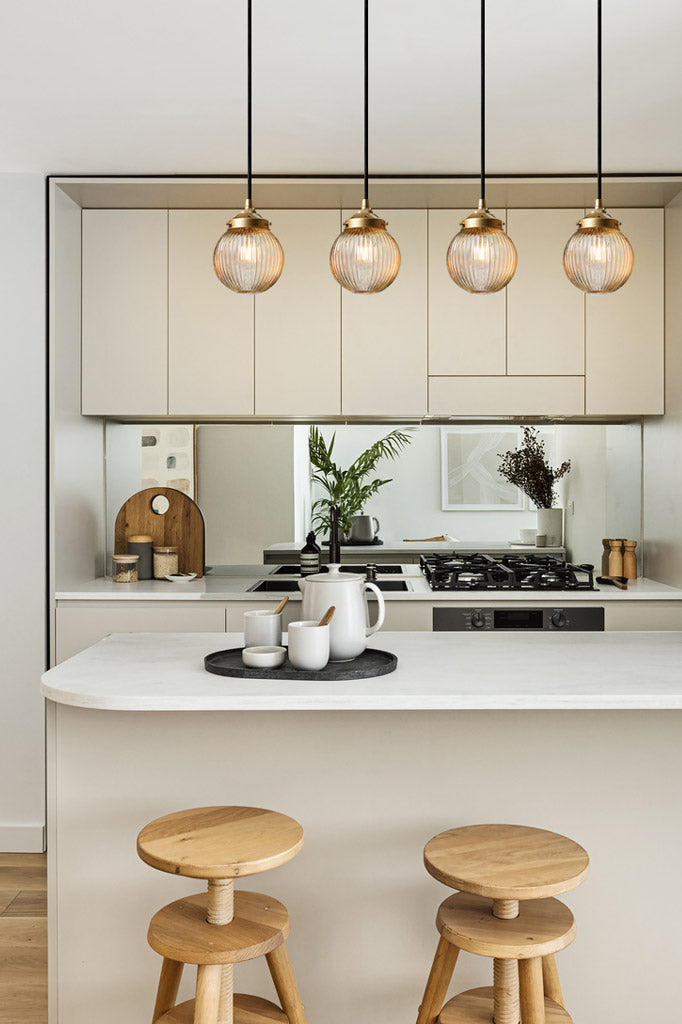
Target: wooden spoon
{"x": 281, "y": 606}
{"x": 328, "y": 616}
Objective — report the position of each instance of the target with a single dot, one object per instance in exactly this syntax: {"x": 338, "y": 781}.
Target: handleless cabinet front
{"x": 298, "y": 324}
{"x": 124, "y": 329}
{"x": 384, "y": 335}
{"x": 210, "y": 328}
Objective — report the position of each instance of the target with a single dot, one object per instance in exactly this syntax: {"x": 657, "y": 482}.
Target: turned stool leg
{"x": 550, "y": 980}
{"x": 169, "y": 982}
{"x": 285, "y": 984}
{"x": 438, "y": 981}
{"x": 221, "y": 911}
{"x": 506, "y": 973}
{"x": 208, "y": 994}
{"x": 531, "y": 991}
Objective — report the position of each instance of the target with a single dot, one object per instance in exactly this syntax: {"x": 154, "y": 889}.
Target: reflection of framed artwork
{"x": 470, "y": 458}
{"x": 169, "y": 456}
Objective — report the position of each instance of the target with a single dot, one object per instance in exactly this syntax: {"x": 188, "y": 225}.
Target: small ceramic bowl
{"x": 264, "y": 657}
{"x": 172, "y": 578}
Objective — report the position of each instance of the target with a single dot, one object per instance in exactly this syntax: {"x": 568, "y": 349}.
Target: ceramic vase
{"x": 551, "y": 523}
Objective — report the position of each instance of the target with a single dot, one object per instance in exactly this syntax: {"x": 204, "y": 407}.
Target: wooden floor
{"x": 23, "y": 938}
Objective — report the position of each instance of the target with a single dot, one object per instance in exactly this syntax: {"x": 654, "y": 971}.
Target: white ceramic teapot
{"x": 349, "y": 628}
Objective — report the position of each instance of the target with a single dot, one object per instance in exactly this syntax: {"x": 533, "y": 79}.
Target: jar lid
{"x": 140, "y": 538}
{"x": 126, "y": 558}
{"x": 166, "y": 550}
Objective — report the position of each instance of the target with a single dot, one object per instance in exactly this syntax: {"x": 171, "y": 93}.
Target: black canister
{"x": 141, "y": 544}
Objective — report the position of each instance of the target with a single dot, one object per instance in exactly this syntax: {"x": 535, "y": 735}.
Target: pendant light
{"x": 365, "y": 258}
{"x": 598, "y": 257}
{"x": 482, "y": 257}
{"x": 248, "y": 257}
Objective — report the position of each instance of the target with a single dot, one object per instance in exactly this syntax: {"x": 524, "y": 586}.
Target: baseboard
{"x": 22, "y": 838}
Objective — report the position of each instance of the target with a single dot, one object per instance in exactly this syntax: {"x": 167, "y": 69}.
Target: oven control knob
{"x": 558, "y": 620}
{"x": 477, "y": 620}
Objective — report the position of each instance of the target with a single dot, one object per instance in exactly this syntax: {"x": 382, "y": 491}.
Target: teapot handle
{"x": 382, "y": 609}
{"x": 376, "y": 526}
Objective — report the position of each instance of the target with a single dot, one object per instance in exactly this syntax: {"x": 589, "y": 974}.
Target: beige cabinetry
{"x": 467, "y": 333}
{"x": 625, "y": 329}
{"x": 79, "y": 624}
{"x": 545, "y": 312}
{"x": 384, "y": 336}
{"x": 210, "y": 327}
{"x": 506, "y": 396}
{"x": 124, "y": 328}
{"x": 298, "y": 321}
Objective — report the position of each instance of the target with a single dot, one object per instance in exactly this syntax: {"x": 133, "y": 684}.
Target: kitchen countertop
{"x": 235, "y": 583}
{"x": 436, "y": 671}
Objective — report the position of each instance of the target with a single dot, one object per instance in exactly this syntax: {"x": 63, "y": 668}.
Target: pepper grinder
{"x": 605, "y": 556}
{"x": 616, "y": 558}
{"x": 630, "y": 560}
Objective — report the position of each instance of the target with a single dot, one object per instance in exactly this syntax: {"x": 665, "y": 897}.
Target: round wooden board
{"x": 219, "y": 842}
{"x": 507, "y": 862}
{"x": 367, "y": 665}
{"x": 542, "y": 927}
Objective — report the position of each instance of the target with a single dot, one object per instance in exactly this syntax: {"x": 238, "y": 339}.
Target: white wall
{"x": 663, "y": 438}
{"x": 22, "y": 520}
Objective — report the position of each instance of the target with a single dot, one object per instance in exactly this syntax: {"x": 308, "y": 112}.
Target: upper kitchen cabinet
{"x": 210, "y": 328}
{"x": 124, "y": 313}
{"x": 545, "y": 312}
{"x": 384, "y": 335}
{"x": 624, "y": 329}
{"x": 298, "y": 321}
{"x": 466, "y": 332}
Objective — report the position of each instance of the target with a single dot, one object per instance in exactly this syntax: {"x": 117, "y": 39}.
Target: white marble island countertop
{"x": 436, "y": 671}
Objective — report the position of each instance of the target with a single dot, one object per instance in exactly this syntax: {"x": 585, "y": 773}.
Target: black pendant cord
{"x": 599, "y": 87}
{"x": 483, "y": 102}
{"x": 249, "y": 172}
{"x": 366, "y": 100}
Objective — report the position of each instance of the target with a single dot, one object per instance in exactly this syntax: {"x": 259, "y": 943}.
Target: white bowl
{"x": 264, "y": 657}
{"x": 181, "y": 579}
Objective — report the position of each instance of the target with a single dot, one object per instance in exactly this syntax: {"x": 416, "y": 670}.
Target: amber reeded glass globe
{"x": 365, "y": 257}
{"x": 481, "y": 257}
{"x": 598, "y": 257}
{"x": 248, "y": 257}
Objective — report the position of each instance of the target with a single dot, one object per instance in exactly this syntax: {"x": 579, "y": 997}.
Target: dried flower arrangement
{"x": 527, "y": 468}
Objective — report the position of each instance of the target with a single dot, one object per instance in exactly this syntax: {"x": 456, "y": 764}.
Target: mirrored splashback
{"x": 253, "y": 481}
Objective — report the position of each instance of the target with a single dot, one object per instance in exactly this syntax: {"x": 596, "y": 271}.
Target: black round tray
{"x": 368, "y": 664}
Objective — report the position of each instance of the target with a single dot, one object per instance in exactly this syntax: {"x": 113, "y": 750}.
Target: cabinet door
{"x": 466, "y": 332}
{"x": 383, "y": 336}
{"x": 125, "y": 313}
{"x": 545, "y": 312}
{"x": 624, "y": 329}
{"x": 298, "y": 321}
{"x": 82, "y": 623}
{"x": 506, "y": 396}
{"x": 210, "y": 328}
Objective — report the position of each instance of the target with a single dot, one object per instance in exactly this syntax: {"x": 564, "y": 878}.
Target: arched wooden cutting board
{"x": 182, "y": 525}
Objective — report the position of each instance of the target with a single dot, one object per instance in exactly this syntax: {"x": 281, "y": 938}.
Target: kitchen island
{"x": 578, "y": 733}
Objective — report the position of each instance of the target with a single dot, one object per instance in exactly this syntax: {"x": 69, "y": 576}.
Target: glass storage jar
{"x": 165, "y": 562}
{"x": 125, "y": 568}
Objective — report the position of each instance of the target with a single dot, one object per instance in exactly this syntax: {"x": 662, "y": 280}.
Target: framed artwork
{"x": 169, "y": 456}
{"x": 470, "y": 482}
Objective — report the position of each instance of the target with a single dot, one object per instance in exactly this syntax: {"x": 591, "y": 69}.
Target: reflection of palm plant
{"x": 346, "y": 487}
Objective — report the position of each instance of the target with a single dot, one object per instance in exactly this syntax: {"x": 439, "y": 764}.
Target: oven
{"x": 552, "y": 618}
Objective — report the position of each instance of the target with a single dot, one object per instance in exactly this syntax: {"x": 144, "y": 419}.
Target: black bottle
{"x": 310, "y": 556}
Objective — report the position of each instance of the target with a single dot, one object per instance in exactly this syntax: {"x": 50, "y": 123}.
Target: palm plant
{"x": 347, "y": 487}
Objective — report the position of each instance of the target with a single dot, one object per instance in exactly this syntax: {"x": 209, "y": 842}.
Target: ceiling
{"x": 158, "y": 87}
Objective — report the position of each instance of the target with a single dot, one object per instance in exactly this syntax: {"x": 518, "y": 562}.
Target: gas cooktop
{"x": 453, "y": 571}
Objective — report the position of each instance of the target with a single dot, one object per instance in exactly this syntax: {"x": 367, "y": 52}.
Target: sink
{"x": 294, "y": 570}
{"x": 291, "y": 586}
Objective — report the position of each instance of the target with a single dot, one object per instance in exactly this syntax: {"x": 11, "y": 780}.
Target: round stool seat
{"x": 181, "y": 932}
{"x": 220, "y": 842}
{"x": 507, "y": 862}
{"x": 542, "y": 927}
{"x": 476, "y": 1007}
{"x": 247, "y": 1010}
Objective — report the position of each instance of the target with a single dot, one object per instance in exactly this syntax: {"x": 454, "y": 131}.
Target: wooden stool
{"x": 220, "y": 927}
{"x": 508, "y": 876}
